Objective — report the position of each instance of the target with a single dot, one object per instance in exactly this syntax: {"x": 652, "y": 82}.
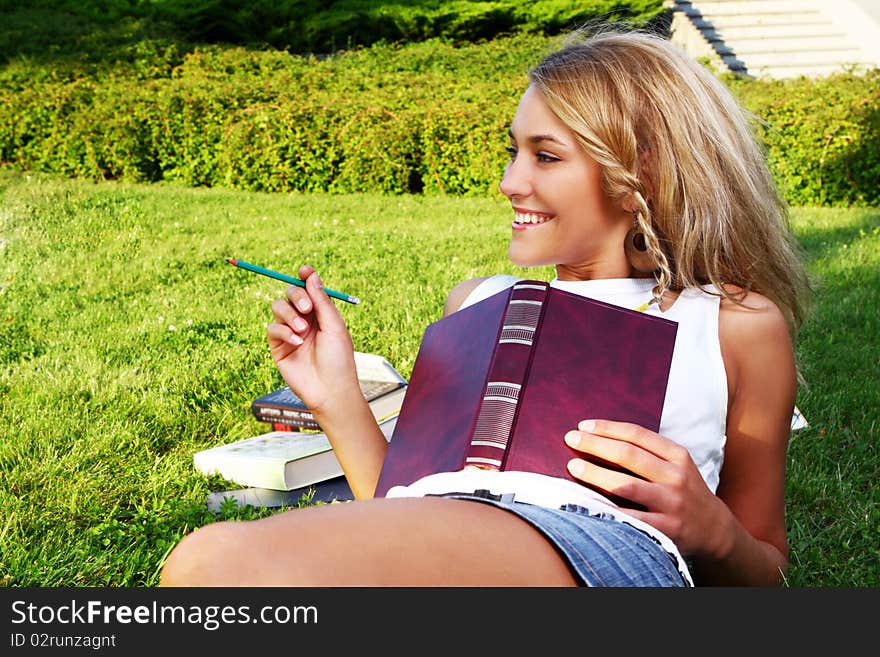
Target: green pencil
{"x": 289, "y": 279}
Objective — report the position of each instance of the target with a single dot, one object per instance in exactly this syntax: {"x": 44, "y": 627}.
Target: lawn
{"x": 128, "y": 343}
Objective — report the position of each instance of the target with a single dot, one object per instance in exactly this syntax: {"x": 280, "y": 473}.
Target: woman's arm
{"x": 762, "y": 386}
{"x": 313, "y": 350}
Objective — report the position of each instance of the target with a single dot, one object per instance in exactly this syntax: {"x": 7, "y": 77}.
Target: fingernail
{"x": 576, "y": 467}
{"x": 587, "y": 425}
{"x": 294, "y": 339}
{"x": 572, "y": 439}
{"x": 300, "y": 324}
{"x": 303, "y": 305}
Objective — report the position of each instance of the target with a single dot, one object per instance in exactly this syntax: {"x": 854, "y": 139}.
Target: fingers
{"x": 299, "y": 296}
{"x": 282, "y": 339}
{"x": 291, "y": 326}
{"x": 301, "y": 309}
{"x": 650, "y": 493}
{"x": 667, "y": 506}
{"x": 612, "y": 482}
{"x": 313, "y": 298}
{"x": 631, "y": 447}
{"x": 618, "y": 453}
{"x": 326, "y": 312}
{"x": 636, "y": 435}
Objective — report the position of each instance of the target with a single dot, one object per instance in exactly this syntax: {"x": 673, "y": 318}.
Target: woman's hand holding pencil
{"x": 313, "y": 350}
{"x": 312, "y": 347}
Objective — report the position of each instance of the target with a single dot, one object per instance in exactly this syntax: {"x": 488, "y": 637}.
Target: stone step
{"x": 777, "y": 38}
{"x": 746, "y": 7}
{"x": 785, "y": 72}
{"x": 755, "y": 20}
{"x": 791, "y": 45}
{"x": 775, "y": 60}
{"x": 787, "y": 31}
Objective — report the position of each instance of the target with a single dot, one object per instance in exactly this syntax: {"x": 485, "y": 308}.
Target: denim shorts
{"x": 601, "y": 551}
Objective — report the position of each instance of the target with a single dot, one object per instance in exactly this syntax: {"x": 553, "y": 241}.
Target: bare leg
{"x": 428, "y": 541}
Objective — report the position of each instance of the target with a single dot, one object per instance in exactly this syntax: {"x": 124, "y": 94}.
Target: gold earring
{"x": 636, "y": 249}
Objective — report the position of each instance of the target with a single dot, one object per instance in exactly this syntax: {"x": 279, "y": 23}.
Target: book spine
{"x": 303, "y": 422}
{"x": 507, "y": 373}
{"x": 285, "y": 415}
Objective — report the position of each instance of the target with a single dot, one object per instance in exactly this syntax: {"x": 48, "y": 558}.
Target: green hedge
{"x": 428, "y": 117}
{"x": 822, "y": 136}
{"x": 424, "y": 117}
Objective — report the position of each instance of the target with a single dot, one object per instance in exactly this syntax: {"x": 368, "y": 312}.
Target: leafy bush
{"x": 424, "y": 117}
{"x": 428, "y": 117}
{"x": 822, "y": 136}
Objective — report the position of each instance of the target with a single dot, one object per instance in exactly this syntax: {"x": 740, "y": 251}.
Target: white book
{"x": 279, "y": 460}
{"x": 373, "y": 367}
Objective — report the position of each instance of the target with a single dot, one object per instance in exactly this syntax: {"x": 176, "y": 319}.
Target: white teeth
{"x": 529, "y": 218}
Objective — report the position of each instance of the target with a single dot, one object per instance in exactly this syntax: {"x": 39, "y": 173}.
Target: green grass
{"x": 127, "y": 344}
{"x": 834, "y": 473}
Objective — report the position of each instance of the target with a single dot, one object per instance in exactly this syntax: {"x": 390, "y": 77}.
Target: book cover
{"x": 499, "y": 383}
{"x": 382, "y": 386}
{"x": 277, "y": 460}
{"x": 329, "y": 491}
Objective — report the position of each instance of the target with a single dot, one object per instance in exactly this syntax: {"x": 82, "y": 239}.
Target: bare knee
{"x": 243, "y": 553}
{"x": 203, "y": 557}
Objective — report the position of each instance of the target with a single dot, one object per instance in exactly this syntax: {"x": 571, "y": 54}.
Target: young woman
{"x": 635, "y": 173}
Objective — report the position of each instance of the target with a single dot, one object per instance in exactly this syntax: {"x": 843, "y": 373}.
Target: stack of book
{"x": 382, "y": 386}
{"x": 277, "y": 460}
{"x": 295, "y": 454}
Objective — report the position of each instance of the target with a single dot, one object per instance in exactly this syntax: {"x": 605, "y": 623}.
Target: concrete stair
{"x": 777, "y": 38}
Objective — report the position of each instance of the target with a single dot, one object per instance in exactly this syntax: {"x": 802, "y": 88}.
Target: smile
{"x": 523, "y": 220}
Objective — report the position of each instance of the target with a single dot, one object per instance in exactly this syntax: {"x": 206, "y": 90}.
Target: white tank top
{"x": 694, "y": 411}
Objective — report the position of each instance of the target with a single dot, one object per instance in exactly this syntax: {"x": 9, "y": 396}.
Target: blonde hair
{"x": 672, "y": 140}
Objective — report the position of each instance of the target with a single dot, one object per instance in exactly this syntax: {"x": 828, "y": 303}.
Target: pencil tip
{"x": 232, "y": 261}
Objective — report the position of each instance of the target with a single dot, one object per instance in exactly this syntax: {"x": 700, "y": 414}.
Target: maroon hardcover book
{"x": 499, "y": 383}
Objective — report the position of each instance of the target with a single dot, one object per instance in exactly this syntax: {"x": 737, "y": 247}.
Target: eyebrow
{"x": 537, "y": 139}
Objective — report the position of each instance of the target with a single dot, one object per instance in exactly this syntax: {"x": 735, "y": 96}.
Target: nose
{"x": 515, "y": 181}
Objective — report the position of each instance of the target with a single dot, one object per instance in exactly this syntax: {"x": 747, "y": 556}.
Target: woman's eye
{"x": 511, "y": 150}
{"x": 544, "y": 157}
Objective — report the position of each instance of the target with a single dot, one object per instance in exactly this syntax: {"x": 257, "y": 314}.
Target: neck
{"x": 595, "y": 270}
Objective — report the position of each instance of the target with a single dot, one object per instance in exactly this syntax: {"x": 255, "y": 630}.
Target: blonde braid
{"x": 621, "y": 183}
{"x": 642, "y": 221}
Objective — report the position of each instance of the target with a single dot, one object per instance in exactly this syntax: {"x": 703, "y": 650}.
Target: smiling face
{"x": 562, "y": 216}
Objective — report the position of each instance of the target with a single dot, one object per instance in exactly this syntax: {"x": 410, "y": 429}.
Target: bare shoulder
{"x": 755, "y": 343}
{"x": 459, "y": 293}
{"x": 753, "y": 316}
